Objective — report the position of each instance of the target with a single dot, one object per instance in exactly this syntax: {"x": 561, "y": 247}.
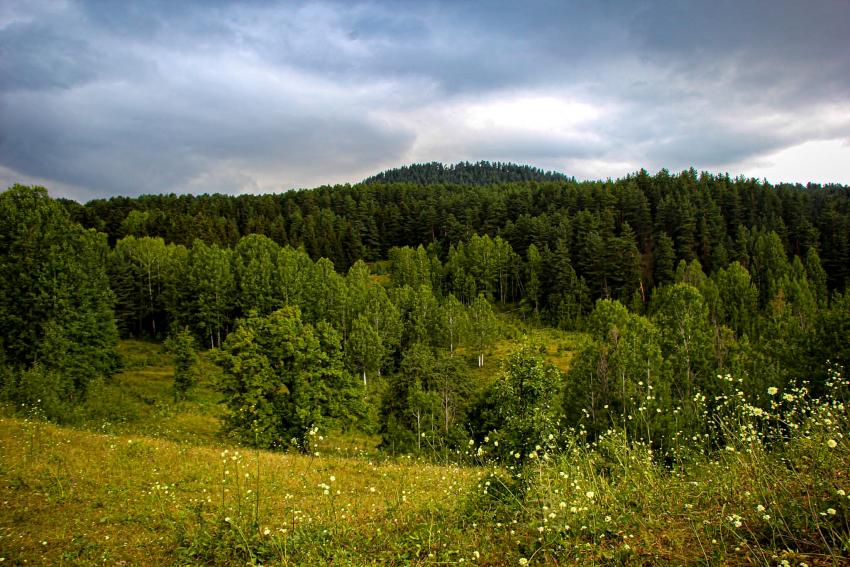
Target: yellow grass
{"x": 84, "y": 498}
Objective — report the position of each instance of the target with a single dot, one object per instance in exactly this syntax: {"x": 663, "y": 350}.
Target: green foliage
{"x": 206, "y": 292}
{"x": 464, "y": 173}
{"x": 410, "y": 267}
{"x": 618, "y": 380}
{"x": 38, "y": 392}
{"x": 55, "y": 301}
{"x": 365, "y": 348}
{"x": 424, "y": 405}
{"x": 453, "y": 323}
{"x": 828, "y": 345}
{"x": 420, "y": 314}
{"x": 664, "y": 257}
{"x": 686, "y": 339}
{"x": 284, "y": 377}
{"x": 569, "y": 294}
{"x": 182, "y": 346}
{"x": 144, "y": 274}
{"x": 738, "y": 298}
{"x": 706, "y": 364}
{"x": 482, "y": 326}
{"x": 255, "y": 273}
{"x": 519, "y": 411}
{"x": 533, "y": 269}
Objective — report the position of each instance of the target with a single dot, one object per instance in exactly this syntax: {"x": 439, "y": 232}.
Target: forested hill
{"x": 464, "y": 173}
{"x": 614, "y": 233}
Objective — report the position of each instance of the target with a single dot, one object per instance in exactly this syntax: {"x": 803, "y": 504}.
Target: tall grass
{"x": 775, "y": 491}
{"x": 768, "y": 484}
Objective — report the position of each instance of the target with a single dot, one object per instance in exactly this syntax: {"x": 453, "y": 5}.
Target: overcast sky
{"x": 105, "y": 97}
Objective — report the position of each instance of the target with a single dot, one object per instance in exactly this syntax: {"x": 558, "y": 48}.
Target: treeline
{"x": 661, "y": 219}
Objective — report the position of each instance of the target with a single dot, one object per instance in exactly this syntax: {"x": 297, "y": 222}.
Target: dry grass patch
{"x": 95, "y": 498}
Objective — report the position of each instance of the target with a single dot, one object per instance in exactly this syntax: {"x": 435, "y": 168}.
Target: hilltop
{"x": 464, "y": 173}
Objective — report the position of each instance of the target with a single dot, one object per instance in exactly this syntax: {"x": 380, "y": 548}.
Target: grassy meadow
{"x": 137, "y": 479}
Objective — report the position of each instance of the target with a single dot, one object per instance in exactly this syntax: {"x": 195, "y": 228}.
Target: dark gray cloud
{"x": 102, "y": 97}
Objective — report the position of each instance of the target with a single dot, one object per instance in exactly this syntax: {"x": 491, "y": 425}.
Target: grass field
{"x": 79, "y": 497}
{"x": 140, "y": 480}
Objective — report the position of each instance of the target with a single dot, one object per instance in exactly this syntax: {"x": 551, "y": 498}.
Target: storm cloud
{"x": 103, "y": 98}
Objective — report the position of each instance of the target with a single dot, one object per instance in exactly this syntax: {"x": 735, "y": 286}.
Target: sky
{"x": 101, "y": 98}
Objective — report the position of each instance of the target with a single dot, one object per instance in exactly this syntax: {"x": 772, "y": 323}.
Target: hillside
{"x": 72, "y": 496}
{"x": 581, "y": 386}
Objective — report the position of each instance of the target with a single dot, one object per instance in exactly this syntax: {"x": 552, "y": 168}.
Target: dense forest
{"x": 666, "y": 218}
{"x": 393, "y": 287}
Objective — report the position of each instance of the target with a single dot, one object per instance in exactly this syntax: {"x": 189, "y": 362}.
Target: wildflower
{"x": 831, "y": 511}
{"x": 773, "y": 390}
{"x": 227, "y": 519}
{"x": 840, "y": 492}
{"x": 333, "y": 478}
{"x": 476, "y": 554}
{"x": 266, "y": 531}
{"x": 590, "y": 494}
{"x": 523, "y": 561}
{"x": 832, "y": 444}
{"x": 788, "y": 397}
